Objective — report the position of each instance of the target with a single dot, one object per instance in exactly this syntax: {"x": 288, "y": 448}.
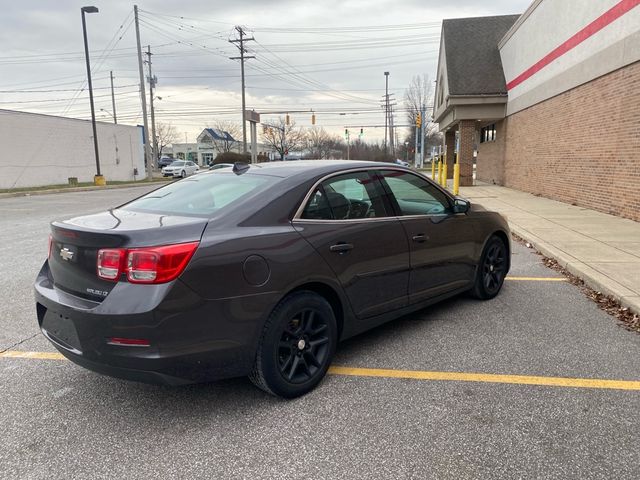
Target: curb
{"x": 27, "y": 193}
{"x": 594, "y": 279}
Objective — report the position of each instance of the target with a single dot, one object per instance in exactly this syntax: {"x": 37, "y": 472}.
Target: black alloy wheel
{"x": 297, "y": 345}
{"x": 492, "y": 269}
{"x": 303, "y": 347}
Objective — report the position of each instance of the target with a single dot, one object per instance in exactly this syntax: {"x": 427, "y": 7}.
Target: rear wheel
{"x": 297, "y": 345}
{"x": 491, "y": 270}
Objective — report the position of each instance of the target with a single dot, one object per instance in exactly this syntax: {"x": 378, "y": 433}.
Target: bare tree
{"x": 419, "y": 96}
{"x": 227, "y": 142}
{"x": 166, "y": 134}
{"x": 283, "y": 138}
{"x": 319, "y": 143}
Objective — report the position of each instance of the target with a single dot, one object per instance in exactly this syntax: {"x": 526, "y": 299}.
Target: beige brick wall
{"x": 490, "y": 161}
{"x": 580, "y": 147}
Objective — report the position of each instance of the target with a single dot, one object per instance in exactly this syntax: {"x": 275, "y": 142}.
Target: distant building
{"x": 549, "y": 100}
{"x": 40, "y": 150}
{"x": 209, "y": 144}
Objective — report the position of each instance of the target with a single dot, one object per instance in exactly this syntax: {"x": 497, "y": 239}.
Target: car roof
{"x": 310, "y": 167}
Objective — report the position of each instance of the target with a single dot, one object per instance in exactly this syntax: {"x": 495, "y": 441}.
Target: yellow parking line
{"x": 34, "y": 355}
{"x": 537, "y": 279}
{"x": 488, "y": 378}
{"x": 425, "y": 375}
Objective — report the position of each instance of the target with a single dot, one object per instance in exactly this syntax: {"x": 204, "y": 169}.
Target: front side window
{"x": 346, "y": 197}
{"x": 414, "y": 195}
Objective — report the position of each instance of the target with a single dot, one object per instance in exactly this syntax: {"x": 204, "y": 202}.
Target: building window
{"x": 488, "y": 133}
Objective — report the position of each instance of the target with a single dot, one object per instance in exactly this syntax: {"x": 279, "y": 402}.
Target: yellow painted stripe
{"x": 537, "y": 279}
{"x": 34, "y": 355}
{"x": 425, "y": 375}
{"x": 488, "y": 378}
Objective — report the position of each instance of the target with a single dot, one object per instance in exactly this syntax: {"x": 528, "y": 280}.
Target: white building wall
{"x": 38, "y": 150}
{"x": 546, "y": 25}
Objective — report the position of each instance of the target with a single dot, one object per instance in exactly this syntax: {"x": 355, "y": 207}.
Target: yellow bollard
{"x": 439, "y": 179}
{"x": 444, "y": 175}
{"x": 456, "y": 178}
{"x": 433, "y": 168}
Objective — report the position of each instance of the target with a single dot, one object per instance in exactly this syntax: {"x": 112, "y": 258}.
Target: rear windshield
{"x": 203, "y": 194}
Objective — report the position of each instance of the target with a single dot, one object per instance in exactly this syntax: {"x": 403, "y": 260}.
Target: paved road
{"x": 59, "y": 421}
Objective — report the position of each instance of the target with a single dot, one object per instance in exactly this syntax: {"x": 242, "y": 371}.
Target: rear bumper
{"x": 190, "y": 339}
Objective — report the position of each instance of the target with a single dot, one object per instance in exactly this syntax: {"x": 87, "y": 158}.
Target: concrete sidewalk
{"x": 602, "y": 249}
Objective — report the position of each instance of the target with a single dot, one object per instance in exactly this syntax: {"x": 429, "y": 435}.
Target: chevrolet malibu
{"x": 260, "y": 270}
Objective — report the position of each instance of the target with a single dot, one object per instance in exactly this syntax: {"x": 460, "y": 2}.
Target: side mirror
{"x": 461, "y": 206}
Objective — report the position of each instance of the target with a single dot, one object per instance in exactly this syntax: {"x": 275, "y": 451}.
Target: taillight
{"x": 145, "y": 265}
{"x": 110, "y": 263}
{"x": 50, "y": 246}
{"x": 158, "y": 264}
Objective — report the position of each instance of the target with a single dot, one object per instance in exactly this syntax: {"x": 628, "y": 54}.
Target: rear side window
{"x": 346, "y": 197}
{"x": 202, "y": 195}
{"x": 414, "y": 195}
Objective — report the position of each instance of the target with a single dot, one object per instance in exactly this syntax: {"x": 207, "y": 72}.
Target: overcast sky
{"x": 326, "y": 56}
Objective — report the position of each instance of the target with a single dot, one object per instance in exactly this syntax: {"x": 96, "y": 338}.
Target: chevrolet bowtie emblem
{"x": 66, "y": 254}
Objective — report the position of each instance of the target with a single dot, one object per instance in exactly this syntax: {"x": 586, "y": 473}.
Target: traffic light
{"x": 313, "y": 119}
{"x": 418, "y": 120}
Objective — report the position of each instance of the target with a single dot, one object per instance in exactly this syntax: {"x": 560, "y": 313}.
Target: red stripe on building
{"x": 598, "y": 24}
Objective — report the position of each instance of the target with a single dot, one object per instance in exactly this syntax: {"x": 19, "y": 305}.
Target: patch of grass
{"x": 80, "y": 184}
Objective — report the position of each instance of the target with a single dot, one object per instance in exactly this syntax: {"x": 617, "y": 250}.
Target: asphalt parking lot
{"x": 537, "y": 383}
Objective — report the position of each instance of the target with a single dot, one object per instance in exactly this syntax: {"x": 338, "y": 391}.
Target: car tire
{"x": 183, "y": 174}
{"x": 491, "y": 270}
{"x": 297, "y": 345}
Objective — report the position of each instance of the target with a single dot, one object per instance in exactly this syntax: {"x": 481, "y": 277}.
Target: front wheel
{"x": 297, "y": 345}
{"x": 492, "y": 269}
{"x": 183, "y": 174}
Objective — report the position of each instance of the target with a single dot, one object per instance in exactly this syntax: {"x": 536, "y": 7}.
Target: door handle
{"x": 419, "y": 238}
{"x": 341, "y": 247}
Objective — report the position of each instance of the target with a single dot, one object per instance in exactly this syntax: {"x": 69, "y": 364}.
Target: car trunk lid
{"x": 75, "y": 244}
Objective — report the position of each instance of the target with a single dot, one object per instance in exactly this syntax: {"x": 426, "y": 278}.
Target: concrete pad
{"x": 590, "y": 251}
{"x": 625, "y": 274}
{"x": 632, "y": 248}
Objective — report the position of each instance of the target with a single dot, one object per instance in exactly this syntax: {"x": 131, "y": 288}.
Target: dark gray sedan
{"x": 260, "y": 270}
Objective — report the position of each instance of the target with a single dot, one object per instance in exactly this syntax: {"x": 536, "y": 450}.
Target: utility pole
{"x": 240, "y": 41}
{"x": 113, "y": 99}
{"x": 152, "y": 84}
{"x": 147, "y": 153}
{"x": 386, "y": 109}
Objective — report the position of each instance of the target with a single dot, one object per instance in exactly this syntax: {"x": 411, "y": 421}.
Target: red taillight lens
{"x": 158, "y": 264}
{"x": 110, "y": 263}
{"x": 145, "y": 265}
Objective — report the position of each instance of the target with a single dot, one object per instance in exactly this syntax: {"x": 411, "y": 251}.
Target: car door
{"x": 441, "y": 244}
{"x": 347, "y": 219}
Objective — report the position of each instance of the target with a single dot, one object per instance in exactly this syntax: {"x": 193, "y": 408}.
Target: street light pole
{"x": 98, "y": 179}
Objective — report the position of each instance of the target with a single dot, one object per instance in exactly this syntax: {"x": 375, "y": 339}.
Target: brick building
{"x": 549, "y": 101}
